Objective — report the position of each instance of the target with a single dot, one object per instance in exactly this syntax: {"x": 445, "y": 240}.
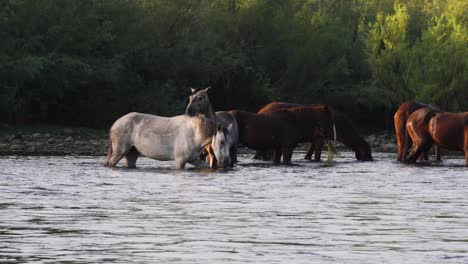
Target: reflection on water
{"x": 73, "y": 210}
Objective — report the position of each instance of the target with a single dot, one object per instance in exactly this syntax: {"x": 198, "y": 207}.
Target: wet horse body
{"x": 199, "y": 103}
{"x": 448, "y": 130}
{"x": 403, "y": 139}
{"x": 345, "y": 133}
{"x": 180, "y": 138}
{"x": 282, "y": 130}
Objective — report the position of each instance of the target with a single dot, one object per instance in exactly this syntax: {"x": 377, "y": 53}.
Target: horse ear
{"x": 207, "y": 88}
{"x": 192, "y": 89}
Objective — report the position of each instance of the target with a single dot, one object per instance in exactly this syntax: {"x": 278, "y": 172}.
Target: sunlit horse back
{"x": 403, "y": 139}
{"x": 448, "y": 130}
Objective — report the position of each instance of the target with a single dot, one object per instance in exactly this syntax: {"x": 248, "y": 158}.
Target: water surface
{"x": 73, "y": 210}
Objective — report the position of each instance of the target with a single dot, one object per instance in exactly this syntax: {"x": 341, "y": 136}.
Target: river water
{"x": 73, "y": 210}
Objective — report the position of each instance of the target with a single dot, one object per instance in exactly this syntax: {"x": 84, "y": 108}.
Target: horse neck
{"x": 209, "y": 112}
{"x": 353, "y": 140}
{"x": 205, "y": 129}
{"x": 348, "y": 134}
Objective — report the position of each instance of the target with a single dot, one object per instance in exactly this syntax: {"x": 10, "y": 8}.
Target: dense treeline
{"x": 88, "y": 62}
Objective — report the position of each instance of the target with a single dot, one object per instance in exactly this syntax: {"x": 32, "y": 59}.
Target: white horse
{"x": 180, "y": 138}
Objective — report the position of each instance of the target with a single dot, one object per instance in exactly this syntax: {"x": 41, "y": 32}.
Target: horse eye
{"x": 199, "y": 98}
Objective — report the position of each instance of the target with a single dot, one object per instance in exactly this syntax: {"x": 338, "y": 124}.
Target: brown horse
{"x": 282, "y": 130}
{"x": 345, "y": 133}
{"x": 448, "y": 130}
{"x": 403, "y": 140}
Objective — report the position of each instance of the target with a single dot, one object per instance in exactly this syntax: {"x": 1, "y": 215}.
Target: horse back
{"x": 261, "y": 131}
{"x": 275, "y": 106}
{"x": 448, "y": 129}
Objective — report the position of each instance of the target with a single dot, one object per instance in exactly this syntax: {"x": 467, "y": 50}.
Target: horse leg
{"x": 414, "y": 152}
{"x": 417, "y": 149}
{"x": 180, "y": 163}
{"x": 310, "y": 151}
{"x": 205, "y": 153}
{"x": 437, "y": 152}
{"x": 424, "y": 155}
{"x": 233, "y": 154}
{"x": 277, "y": 155}
{"x": 466, "y": 147}
{"x": 318, "y": 151}
{"x": 408, "y": 143}
{"x": 400, "y": 148}
{"x": 466, "y": 154}
{"x": 118, "y": 153}
{"x": 131, "y": 158}
{"x": 287, "y": 155}
{"x": 212, "y": 162}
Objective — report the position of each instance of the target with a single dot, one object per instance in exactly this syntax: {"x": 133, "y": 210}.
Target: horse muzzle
{"x": 224, "y": 164}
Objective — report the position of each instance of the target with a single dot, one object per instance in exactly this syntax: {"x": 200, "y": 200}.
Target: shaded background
{"x": 88, "y": 62}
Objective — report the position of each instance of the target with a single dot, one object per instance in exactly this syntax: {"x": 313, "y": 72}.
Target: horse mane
{"x": 206, "y": 126}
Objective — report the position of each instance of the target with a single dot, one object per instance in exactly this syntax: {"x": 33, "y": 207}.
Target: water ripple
{"x": 73, "y": 210}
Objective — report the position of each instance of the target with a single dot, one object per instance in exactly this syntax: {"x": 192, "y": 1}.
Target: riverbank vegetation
{"x": 88, "y": 62}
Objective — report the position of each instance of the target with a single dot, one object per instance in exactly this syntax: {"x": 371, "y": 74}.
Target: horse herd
{"x": 203, "y": 134}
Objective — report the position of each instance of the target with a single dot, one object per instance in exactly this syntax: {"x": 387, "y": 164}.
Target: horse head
{"x": 199, "y": 103}
{"x": 220, "y": 143}
{"x": 363, "y": 152}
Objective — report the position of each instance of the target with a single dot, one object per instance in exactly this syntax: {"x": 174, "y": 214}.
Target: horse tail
{"x": 332, "y": 117}
{"x": 109, "y": 150}
{"x": 401, "y": 132}
{"x": 334, "y": 132}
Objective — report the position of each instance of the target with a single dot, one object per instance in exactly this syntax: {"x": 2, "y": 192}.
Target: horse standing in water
{"x": 199, "y": 103}
{"x": 403, "y": 139}
{"x": 284, "y": 129}
{"x": 345, "y": 133}
{"x": 180, "y": 138}
{"x": 448, "y": 130}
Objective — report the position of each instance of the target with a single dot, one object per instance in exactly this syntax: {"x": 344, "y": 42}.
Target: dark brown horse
{"x": 448, "y": 130}
{"x": 403, "y": 140}
{"x": 281, "y": 131}
{"x": 345, "y": 133}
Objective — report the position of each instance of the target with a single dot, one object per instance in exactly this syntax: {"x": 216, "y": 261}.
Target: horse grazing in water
{"x": 448, "y": 130}
{"x": 403, "y": 140}
{"x": 199, "y": 103}
{"x": 282, "y": 130}
{"x": 180, "y": 138}
{"x": 345, "y": 133}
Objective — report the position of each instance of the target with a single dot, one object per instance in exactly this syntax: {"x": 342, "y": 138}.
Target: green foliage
{"x": 88, "y": 62}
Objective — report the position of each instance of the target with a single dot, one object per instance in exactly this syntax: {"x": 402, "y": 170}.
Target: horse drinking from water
{"x": 199, "y": 103}
{"x": 282, "y": 130}
{"x": 448, "y": 130}
{"x": 403, "y": 139}
{"x": 180, "y": 138}
{"x": 345, "y": 133}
